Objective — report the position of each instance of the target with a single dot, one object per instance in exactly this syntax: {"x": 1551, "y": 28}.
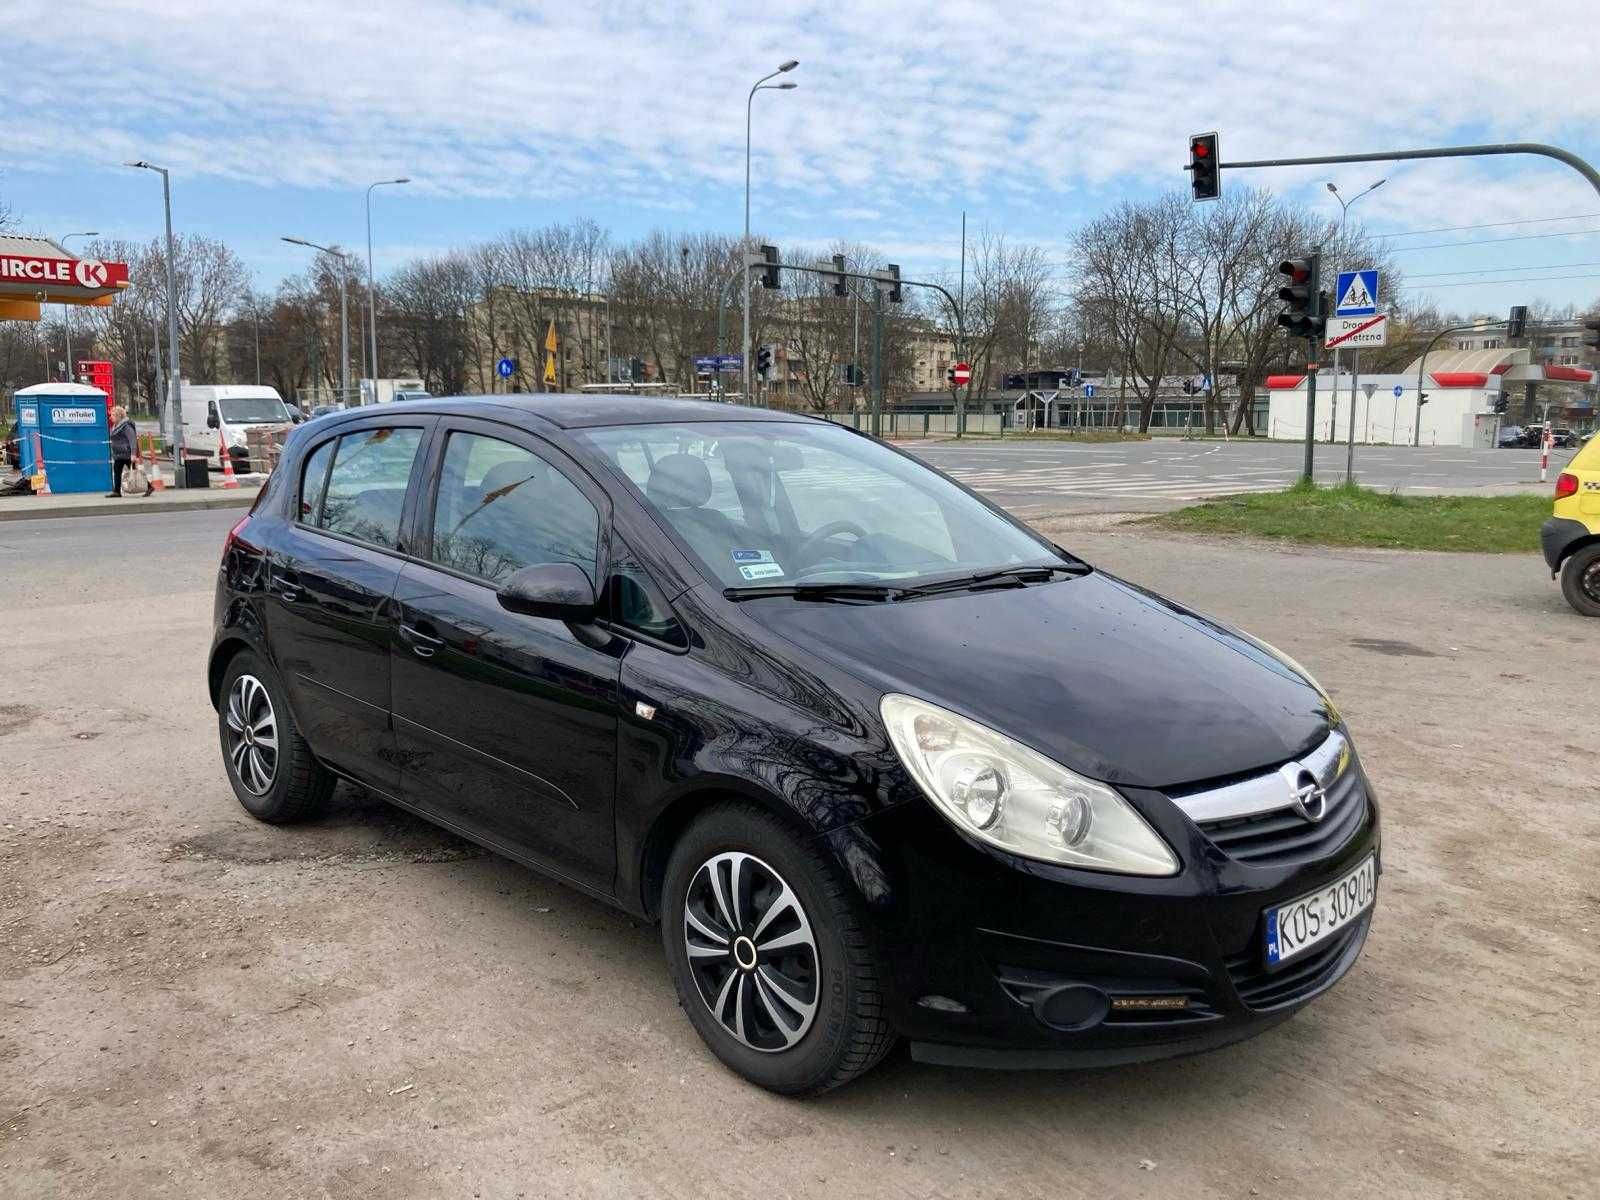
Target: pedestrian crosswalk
{"x": 1114, "y": 481}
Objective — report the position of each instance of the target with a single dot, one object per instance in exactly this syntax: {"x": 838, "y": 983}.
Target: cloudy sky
{"x": 1032, "y": 117}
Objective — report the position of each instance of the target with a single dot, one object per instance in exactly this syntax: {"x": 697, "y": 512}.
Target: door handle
{"x": 288, "y": 586}
{"x": 422, "y": 644}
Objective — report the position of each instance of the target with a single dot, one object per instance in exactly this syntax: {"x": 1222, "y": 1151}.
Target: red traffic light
{"x": 1200, "y": 148}
{"x": 1297, "y": 269}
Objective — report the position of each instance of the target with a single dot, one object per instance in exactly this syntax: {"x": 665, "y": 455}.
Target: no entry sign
{"x": 961, "y": 373}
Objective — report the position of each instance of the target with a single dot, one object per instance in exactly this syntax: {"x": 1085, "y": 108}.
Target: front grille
{"x": 1283, "y": 837}
{"x": 1261, "y": 989}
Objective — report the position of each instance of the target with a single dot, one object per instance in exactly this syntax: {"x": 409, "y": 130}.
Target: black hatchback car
{"x": 882, "y": 761}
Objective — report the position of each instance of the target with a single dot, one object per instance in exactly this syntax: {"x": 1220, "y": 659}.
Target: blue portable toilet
{"x": 70, "y": 419}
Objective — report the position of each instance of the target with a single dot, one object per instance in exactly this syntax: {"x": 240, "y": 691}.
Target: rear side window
{"x": 365, "y": 491}
{"x": 314, "y": 482}
{"x": 501, "y": 508}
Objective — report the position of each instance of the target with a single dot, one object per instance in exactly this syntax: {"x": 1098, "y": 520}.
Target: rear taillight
{"x": 233, "y": 535}
{"x": 1566, "y": 484}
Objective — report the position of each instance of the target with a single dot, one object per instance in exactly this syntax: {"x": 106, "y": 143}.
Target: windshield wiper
{"x": 1019, "y": 576}
{"x": 816, "y": 591}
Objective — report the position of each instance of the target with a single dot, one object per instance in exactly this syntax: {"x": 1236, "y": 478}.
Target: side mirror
{"x": 212, "y": 420}
{"x": 556, "y": 591}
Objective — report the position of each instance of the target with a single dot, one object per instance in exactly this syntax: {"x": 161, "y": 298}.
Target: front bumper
{"x": 999, "y": 961}
{"x": 1557, "y": 537}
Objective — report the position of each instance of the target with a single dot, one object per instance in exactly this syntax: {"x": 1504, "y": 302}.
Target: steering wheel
{"x": 808, "y": 548}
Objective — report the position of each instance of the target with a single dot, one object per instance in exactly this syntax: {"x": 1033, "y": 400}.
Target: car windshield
{"x": 769, "y": 503}
{"x": 253, "y": 410}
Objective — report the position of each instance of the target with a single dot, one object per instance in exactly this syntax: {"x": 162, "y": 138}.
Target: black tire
{"x": 847, "y": 1033}
{"x": 1580, "y": 580}
{"x": 297, "y": 785}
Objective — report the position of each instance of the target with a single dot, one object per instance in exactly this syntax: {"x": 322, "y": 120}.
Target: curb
{"x": 130, "y": 506}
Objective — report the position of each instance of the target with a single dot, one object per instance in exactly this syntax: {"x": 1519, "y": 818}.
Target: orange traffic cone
{"x": 228, "y": 481}
{"x": 41, "y": 480}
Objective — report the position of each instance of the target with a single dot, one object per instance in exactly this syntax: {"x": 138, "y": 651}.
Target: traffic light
{"x": 1518, "y": 324}
{"x": 1205, "y": 176}
{"x": 769, "y": 273}
{"x": 636, "y": 370}
{"x": 1074, "y": 377}
{"x": 896, "y": 296}
{"x": 1011, "y": 383}
{"x": 1500, "y": 404}
{"x": 1592, "y": 342}
{"x": 764, "y": 361}
{"x": 1302, "y": 316}
{"x": 950, "y": 377}
{"x": 840, "y": 286}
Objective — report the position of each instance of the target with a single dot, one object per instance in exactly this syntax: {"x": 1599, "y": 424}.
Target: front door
{"x": 331, "y": 577}
{"x": 506, "y": 724}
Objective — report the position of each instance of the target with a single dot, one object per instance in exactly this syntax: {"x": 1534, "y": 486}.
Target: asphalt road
{"x": 195, "y": 1004}
{"x": 1041, "y": 477}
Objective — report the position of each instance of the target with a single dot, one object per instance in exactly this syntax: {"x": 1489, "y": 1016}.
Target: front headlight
{"x": 1010, "y": 796}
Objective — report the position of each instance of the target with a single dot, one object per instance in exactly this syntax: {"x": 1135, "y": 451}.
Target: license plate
{"x": 1296, "y": 927}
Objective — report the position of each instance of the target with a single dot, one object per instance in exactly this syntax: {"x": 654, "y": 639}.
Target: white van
{"x": 228, "y": 409}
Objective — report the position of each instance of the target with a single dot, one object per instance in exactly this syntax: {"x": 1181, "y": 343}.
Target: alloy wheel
{"x": 751, "y": 951}
{"x": 252, "y": 735}
{"x": 1590, "y": 581}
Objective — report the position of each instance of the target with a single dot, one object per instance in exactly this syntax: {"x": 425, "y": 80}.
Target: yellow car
{"x": 1571, "y": 538}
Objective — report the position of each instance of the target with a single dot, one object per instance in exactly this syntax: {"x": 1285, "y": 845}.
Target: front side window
{"x": 501, "y": 507}
{"x": 763, "y": 503}
{"x": 366, "y": 490}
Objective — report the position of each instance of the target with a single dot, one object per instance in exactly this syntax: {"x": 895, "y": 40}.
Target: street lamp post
{"x": 372, "y": 304}
{"x": 174, "y": 373}
{"x": 344, "y": 313}
{"x": 1344, "y": 211}
{"x": 66, "y": 309}
{"x": 744, "y": 246}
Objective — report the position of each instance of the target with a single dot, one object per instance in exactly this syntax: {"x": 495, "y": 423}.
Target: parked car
{"x": 1571, "y": 537}
{"x": 882, "y": 761}
{"x": 1512, "y": 437}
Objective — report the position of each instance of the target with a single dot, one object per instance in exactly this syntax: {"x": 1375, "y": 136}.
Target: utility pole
{"x": 877, "y": 360}
{"x": 174, "y": 369}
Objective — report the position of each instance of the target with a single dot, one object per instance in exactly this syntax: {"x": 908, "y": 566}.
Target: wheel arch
{"x": 1572, "y": 547}
{"x": 223, "y": 653}
{"x": 679, "y": 813}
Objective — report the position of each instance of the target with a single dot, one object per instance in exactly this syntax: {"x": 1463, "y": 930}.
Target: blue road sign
{"x": 1088, "y": 391}
{"x": 706, "y": 363}
{"x": 1398, "y": 391}
{"x": 506, "y": 368}
{"x": 730, "y": 362}
{"x": 1357, "y": 295}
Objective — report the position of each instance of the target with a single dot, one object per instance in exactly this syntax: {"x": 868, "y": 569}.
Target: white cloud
{"x": 1031, "y": 114}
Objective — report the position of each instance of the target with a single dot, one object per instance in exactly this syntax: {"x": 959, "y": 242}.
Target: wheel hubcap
{"x": 252, "y": 735}
{"x": 1591, "y": 581}
{"x": 751, "y": 951}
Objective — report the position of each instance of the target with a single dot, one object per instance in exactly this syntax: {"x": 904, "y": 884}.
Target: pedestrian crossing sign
{"x": 1357, "y": 295}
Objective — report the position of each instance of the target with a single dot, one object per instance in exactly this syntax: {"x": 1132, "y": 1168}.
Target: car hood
{"x": 1104, "y": 677}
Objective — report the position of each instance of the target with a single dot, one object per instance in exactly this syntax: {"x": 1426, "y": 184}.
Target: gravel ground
{"x": 193, "y": 1004}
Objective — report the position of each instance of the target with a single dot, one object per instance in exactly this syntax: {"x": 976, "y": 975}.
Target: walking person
{"x": 124, "y": 450}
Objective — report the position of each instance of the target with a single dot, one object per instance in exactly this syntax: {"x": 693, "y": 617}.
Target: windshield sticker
{"x": 752, "y": 556}
{"x": 766, "y": 570}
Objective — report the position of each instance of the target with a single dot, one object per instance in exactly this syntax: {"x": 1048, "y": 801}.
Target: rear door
{"x": 506, "y": 723}
{"x": 331, "y": 576}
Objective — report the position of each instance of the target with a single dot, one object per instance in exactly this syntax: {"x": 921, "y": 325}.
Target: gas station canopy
{"x": 36, "y": 271}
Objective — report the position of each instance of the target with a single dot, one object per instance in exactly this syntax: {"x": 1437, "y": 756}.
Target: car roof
{"x": 587, "y": 410}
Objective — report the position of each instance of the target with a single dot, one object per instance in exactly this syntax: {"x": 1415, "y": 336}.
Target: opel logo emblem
{"x": 1310, "y": 798}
